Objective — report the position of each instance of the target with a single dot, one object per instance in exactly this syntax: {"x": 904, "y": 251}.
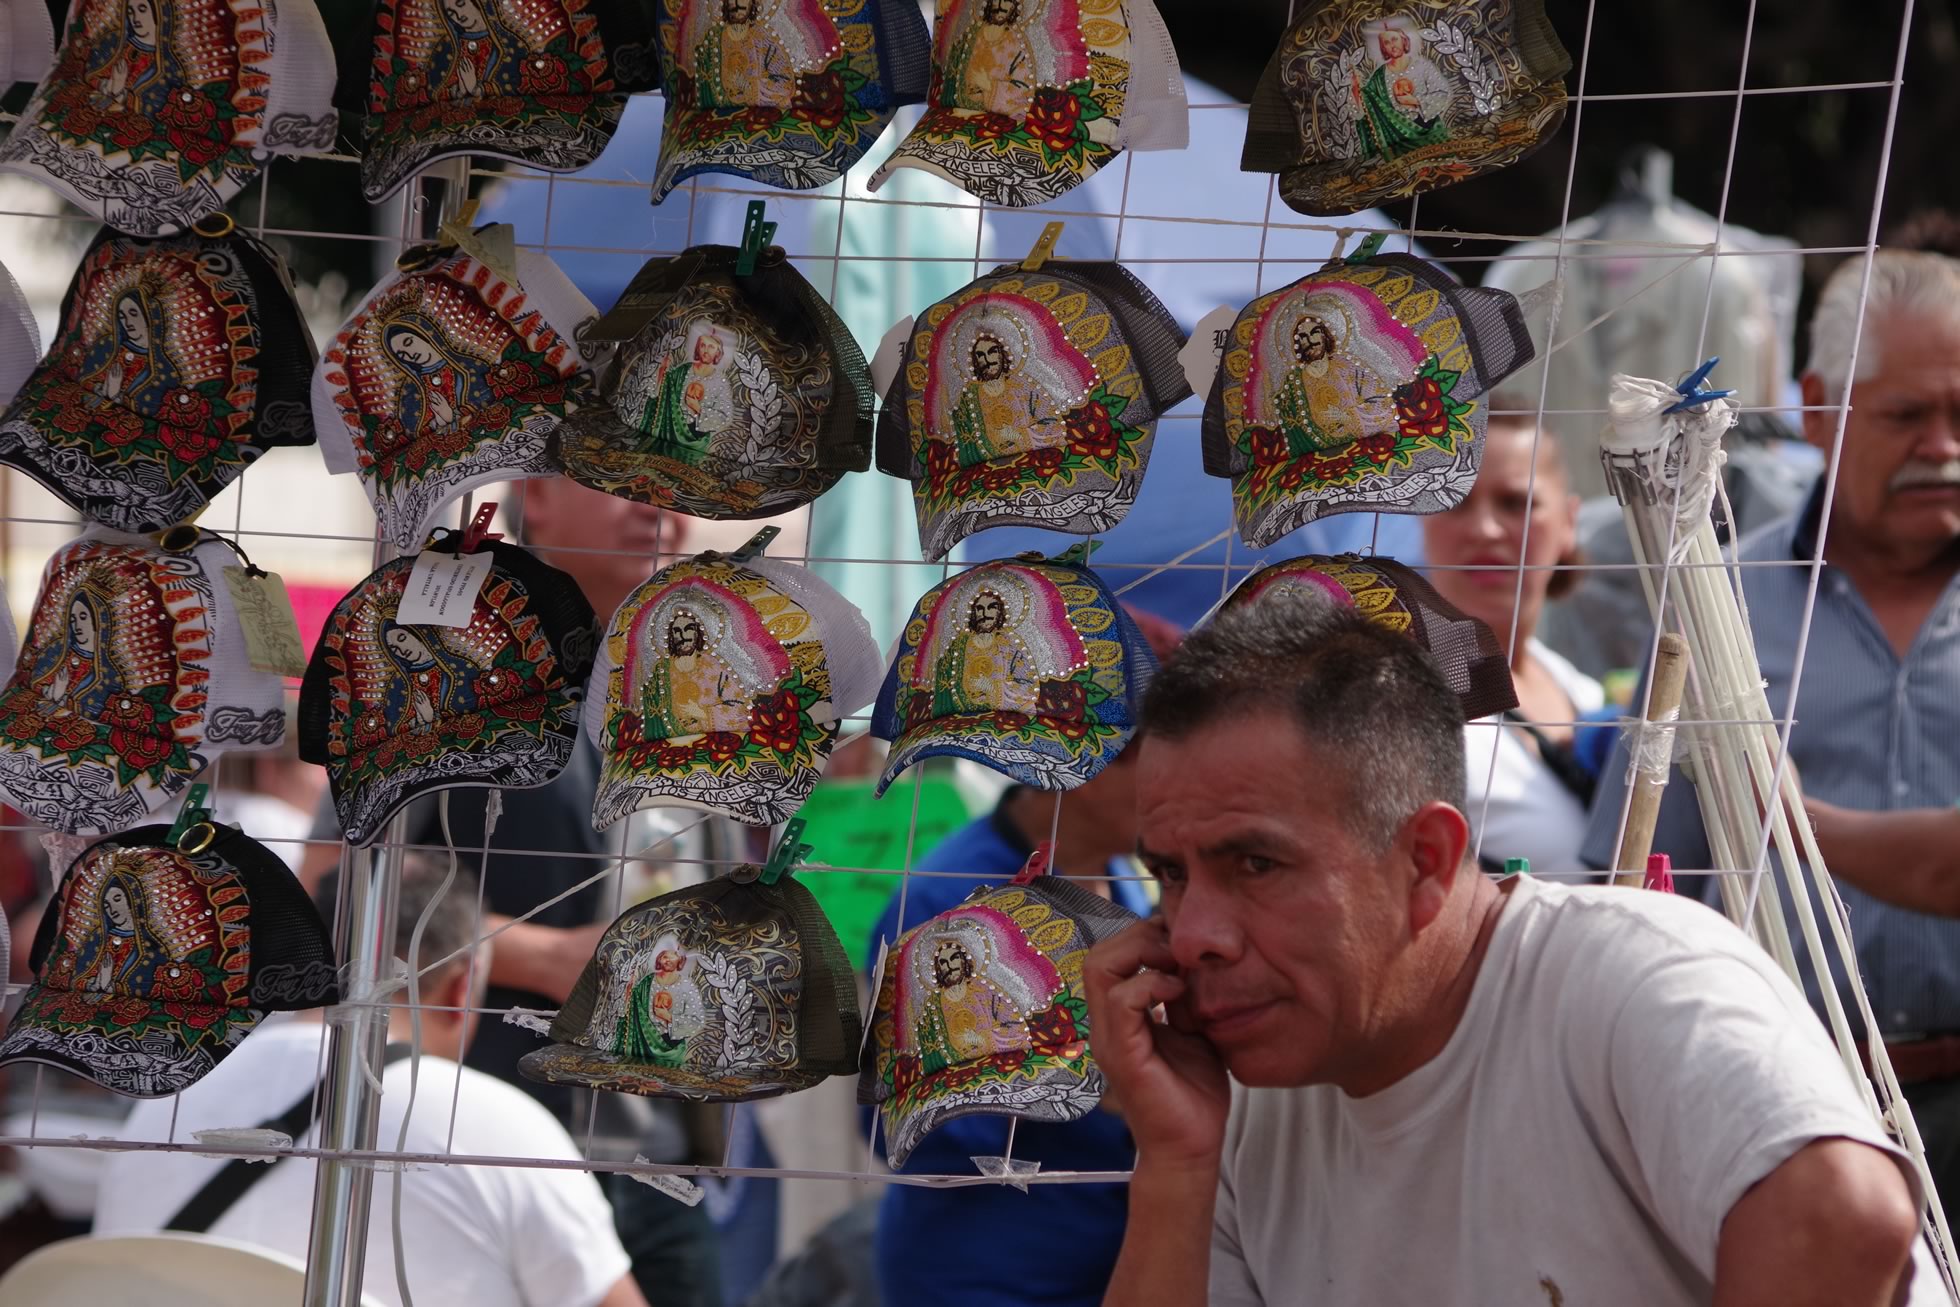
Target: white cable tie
{"x": 1013, "y": 1170}
{"x": 244, "y": 1137}
{"x": 536, "y": 1020}
{"x": 677, "y": 1187}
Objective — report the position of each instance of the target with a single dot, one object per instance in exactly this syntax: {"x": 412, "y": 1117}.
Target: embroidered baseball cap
{"x": 394, "y": 710}
{"x": 1367, "y": 101}
{"x": 26, "y": 41}
{"x": 785, "y": 92}
{"x": 730, "y": 397}
{"x": 178, "y": 362}
{"x": 1031, "y": 399}
{"x": 982, "y": 1010}
{"x": 1398, "y": 599}
{"x": 133, "y": 676}
{"x": 20, "y": 337}
{"x": 1029, "y": 97}
{"x": 1355, "y": 389}
{"x": 1028, "y": 665}
{"x": 450, "y": 376}
{"x": 728, "y": 990}
{"x": 156, "y": 110}
{"x": 720, "y": 686}
{"x": 157, "y": 958}
{"x": 542, "y": 82}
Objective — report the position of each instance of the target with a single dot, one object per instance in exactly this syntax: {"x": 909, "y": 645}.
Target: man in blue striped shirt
{"x": 1878, "y": 708}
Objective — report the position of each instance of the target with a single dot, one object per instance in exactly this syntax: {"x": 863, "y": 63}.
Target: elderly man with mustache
{"x": 1878, "y": 705}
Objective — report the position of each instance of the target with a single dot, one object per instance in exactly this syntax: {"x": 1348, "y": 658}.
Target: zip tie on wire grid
{"x": 536, "y": 1020}
{"x": 677, "y": 1187}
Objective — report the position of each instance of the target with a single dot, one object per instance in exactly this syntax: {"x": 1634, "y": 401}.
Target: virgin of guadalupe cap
{"x": 1397, "y": 599}
{"x": 20, "y": 337}
{"x": 395, "y": 709}
{"x": 178, "y": 362}
{"x": 155, "y": 110}
{"x": 538, "y": 82}
{"x": 1354, "y": 389}
{"x": 734, "y": 989}
{"x": 133, "y": 675}
{"x": 1029, "y": 666}
{"x": 720, "y": 686}
{"x": 1367, "y": 101}
{"x": 982, "y": 1010}
{"x": 157, "y": 957}
{"x": 449, "y": 376}
{"x": 1031, "y": 399}
{"x": 732, "y": 396}
{"x": 26, "y": 41}
{"x": 785, "y": 92}
{"x": 1029, "y": 97}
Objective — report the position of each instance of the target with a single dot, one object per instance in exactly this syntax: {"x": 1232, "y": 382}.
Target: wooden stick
{"x": 1650, "y": 775}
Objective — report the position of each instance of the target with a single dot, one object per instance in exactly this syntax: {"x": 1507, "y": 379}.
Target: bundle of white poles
{"x": 1665, "y": 468}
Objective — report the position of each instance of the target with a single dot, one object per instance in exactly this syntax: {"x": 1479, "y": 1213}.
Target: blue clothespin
{"x": 789, "y": 851}
{"x": 1689, "y": 388}
{"x": 756, "y": 235}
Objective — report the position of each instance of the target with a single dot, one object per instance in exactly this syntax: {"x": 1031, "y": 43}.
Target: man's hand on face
{"x": 1167, "y": 1083}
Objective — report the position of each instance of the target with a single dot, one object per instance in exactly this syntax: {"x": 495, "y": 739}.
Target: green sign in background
{"x": 846, "y": 827}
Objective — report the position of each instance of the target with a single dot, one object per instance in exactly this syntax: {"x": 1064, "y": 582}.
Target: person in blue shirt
{"x": 1054, "y": 1245}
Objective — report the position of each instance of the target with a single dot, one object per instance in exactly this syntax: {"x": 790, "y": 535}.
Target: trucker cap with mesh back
{"x": 396, "y": 710}
{"x": 20, "y": 337}
{"x": 155, "y": 112}
{"x": 1028, "y": 665}
{"x": 982, "y": 1010}
{"x": 156, "y": 959}
{"x": 730, "y": 396}
{"x": 1398, "y": 599}
{"x": 1355, "y": 389}
{"x": 448, "y": 377}
{"x": 1367, "y": 101}
{"x": 177, "y": 363}
{"x": 1031, "y": 399}
{"x": 26, "y": 41}
{"x": 1029, "y": 97}
{"x": 785, "y": 92}
{"x": 542, "y": 83}
{"x": 728, "y": 990}
{"x": 720, "y": 685}
{"x": 133, "y": 675}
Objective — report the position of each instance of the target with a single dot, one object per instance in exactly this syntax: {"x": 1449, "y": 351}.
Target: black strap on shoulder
{"x": 237, "y": 1176}
{"x": 1560, "y": 760}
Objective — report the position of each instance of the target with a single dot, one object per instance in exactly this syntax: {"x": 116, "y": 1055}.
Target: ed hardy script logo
{"x": 298, "y": 132}
{"x": 247, "y": 727}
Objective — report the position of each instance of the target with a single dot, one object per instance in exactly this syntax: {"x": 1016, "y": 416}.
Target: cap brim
{"x": 74, "y": 773}
{"x": 1011, "y": 743}
{"x": 160, "y": 196}
{"x": 561, "y": 134}
{"x": 600, "y": 451}
{"x": 519, "y": 452}
{"x": 134, "y": 1046}
{"x": 372, "y": 786}
{"x": 764, "y": 793}
{"x": 574, "y": 1064}
{"x": 772, "y": 146}
{"x": 1048, "y": 1093}
{"x": 1013, "y": 492}
{"x": 993, "y": 158}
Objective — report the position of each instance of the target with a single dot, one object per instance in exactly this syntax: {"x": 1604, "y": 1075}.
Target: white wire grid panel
{"x": 1191, "y": 225}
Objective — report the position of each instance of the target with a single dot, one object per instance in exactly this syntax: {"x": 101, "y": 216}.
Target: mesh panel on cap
{"x": 282, "y": 415}
{"x": 850, "y": 651}
{"x": 1272, "y": 132}
{"x": 904, "y": 51}
{"x": 299, "y": 84}
{"x": 845, "y": 441}
{"x": 1148, "y": 328}
{"x": 20, "y": 336}
{"x": 829, "y": 1027}
{"x": 1155, "y": 114}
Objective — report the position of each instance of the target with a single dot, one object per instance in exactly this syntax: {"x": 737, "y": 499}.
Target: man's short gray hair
{"x": 1903, "y": 282}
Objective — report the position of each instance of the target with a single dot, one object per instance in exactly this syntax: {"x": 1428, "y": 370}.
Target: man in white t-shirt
{"x": 486, "y": 1236}
{"x": 1443, "y": 1090}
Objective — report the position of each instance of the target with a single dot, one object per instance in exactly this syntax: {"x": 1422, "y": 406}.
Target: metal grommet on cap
{"x": 179, "y": 539}
{"x": 198, "y": 838}
{"x": 417, "y": 257}
{"x": 213, "y": 226}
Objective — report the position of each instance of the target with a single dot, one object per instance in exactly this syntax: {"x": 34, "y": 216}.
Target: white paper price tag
{"x": 1201, "y": 353}
{"x": 265, "y": 615}
{"x": 891, "y": 354}
{"x": 442, "y": 588}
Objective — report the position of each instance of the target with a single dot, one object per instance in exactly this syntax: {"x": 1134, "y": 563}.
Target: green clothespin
{"x": 1370, "y": 246}
{"x": 193, "y": 812}
{"x": 1516, "y": 867}
{"x": 757, "y": 543}
{"x": 1079, "y": 553}
{"x": 790, "y": 850}
{"x": 756, "y": 235}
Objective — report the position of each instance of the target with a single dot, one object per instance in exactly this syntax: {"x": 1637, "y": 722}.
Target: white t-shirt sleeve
{"x": 1720, "y": 1072}
{"x": 559, "y": 1224}
{"x": 1231, "y": 1280}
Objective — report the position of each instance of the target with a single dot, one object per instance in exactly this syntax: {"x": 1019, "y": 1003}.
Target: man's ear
{"x": 1436, "y": 837}
{"x": 1819, "y": 415}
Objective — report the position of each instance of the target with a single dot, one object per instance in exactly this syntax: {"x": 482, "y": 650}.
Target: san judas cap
{"x": 133, "y": 676}
{"x": 1367, "y": 101}
{"x": 178, "y": 362}
{"x": 1355, "y": 389}
{"x": 785, "y": 92}
{"x": 734, "y": 989}
{"x": 451, "y": 375}
{"x": 1031, "y": 399}
{"x": 1029, "y": 97}
{"x": 159, "y": 955}
{"x": 156, "y": 112}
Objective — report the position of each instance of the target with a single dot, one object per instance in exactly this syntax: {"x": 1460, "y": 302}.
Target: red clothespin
{"x": 1037, "y": 863}
{"x": 1660, "y": 874}
{"x": 478, "y": 532}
